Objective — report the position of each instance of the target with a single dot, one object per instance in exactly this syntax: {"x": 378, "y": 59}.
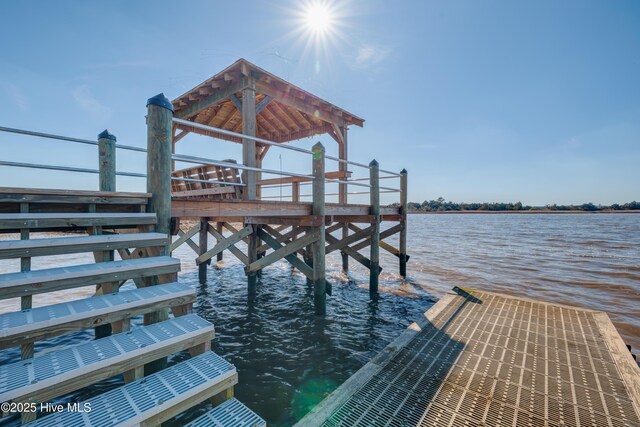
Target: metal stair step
{"x": 63, "y": 371}
{"x": 25, "y": 326}
{"x": 231, "y": 413}
{"x": 153, "y": 399}
{"x": 76, "y": 244}
{"x": 19, "y": 284}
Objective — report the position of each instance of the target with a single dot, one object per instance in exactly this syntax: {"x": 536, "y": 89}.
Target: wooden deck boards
{"x": 483, "y": 359}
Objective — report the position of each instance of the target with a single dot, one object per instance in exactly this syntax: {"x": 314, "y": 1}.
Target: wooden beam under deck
{"x": 239, "y": 209}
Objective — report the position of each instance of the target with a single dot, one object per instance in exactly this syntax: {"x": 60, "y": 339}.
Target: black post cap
{"x": 161, "y": 101}
{"x": 107, "y": 135}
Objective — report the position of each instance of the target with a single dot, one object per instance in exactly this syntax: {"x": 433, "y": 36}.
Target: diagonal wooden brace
{"x": 283, "y": 251}
{"x": 233, "y": 249}
{"x": 184, "y": 237}
{"x": 224, "y": 243}
{"x": 292, "y": 258}
{"x": 359, "y": 235}
{"x": 352, "y": 253}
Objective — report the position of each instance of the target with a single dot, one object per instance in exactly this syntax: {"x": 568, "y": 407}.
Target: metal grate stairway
{"x": 53, "y": 373}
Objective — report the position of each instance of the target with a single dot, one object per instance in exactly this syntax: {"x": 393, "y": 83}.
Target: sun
{"x": 318, "y": 18}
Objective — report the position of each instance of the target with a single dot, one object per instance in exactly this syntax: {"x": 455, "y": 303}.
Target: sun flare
{"x": 318, "y": 18}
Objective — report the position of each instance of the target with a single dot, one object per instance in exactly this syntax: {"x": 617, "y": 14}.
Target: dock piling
{"x": 374, "y": 269}
{"x": 202, "y": 245}
{"x": 318, "y": 247}
{"x": 403, "y": 221}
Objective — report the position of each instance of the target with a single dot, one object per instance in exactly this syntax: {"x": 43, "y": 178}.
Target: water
{"x": 288, "y": 359}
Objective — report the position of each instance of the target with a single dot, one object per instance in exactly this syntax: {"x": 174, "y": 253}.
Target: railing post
{"x": 318, "y": 247}
{"x": 107, "y": 160}
{"x": 374, "y": 268}
{"x": 159, "y": 138}
{"x": 403, "y": 218}
{"x": 107, "y": 174}
{"x": 159, "y": 125}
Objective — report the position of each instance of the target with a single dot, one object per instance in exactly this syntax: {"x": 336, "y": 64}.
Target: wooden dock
{"x": 226, "y": 200}
{"x": 483, "y": 359}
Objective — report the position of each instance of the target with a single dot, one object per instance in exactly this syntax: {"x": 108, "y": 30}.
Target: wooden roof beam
{"x": 214, "y": 98}
{"x": 298, "y": 104}
{"x": 236, "y": 101}
{"x": 277, "y": 107}
{"x": 262, "y": 104}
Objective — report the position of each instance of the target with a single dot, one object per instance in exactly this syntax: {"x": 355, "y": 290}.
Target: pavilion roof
{"x": 284, "y": 112}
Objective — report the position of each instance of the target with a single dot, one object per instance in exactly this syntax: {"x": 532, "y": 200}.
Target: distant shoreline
{"x": 526, "y": 212}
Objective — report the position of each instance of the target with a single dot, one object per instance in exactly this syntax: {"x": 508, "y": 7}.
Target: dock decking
{"x": 483, "y": 359}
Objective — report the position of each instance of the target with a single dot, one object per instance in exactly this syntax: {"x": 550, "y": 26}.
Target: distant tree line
{"x": 441, "y": 205}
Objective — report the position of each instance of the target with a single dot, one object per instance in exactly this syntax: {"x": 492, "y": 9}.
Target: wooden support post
{"x": 295, "y": 191}
{"x": 220, "y": 256}
{"x": 374, "y": 181}
{"x": 249, "y": 145}
{"x": 107, "y": 174}
{"x": 159, "y": 139}
{"x": 343, "y": 191}
{"x": 26, "y": 350}
{"x": 252, "y": 255}
{"x": 202, "y": 241}
{"x": 159, "y": 125}
{"x": 319, "y": 279}
{"x": 403, "y": 232}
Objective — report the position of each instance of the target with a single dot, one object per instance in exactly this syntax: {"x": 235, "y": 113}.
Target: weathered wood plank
{"x": 238, "y": 209}
{"x": 204, "y": 192}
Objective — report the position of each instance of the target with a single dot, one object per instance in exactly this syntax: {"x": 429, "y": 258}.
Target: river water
{"x": 288, "y": 359}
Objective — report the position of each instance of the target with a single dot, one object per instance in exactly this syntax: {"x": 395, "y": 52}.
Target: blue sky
{"x": 480, "y": 100}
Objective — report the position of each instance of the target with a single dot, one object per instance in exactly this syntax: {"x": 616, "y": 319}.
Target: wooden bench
{"x": 203, "y": 190}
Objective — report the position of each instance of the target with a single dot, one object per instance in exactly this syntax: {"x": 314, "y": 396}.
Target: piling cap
{"x": 105, "y": 134}
{"x": 374, "y": 162}
{"x": 403, "y": 171}
{"x": 160, "y": 100}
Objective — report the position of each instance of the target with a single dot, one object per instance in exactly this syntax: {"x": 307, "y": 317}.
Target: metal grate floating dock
{"x": 483, "y": 359}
